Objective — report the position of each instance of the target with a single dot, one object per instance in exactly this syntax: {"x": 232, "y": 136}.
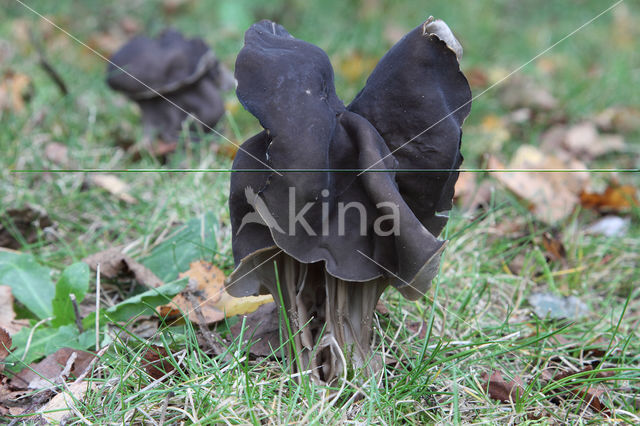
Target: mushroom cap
{"x": 168, "y": 76}
{"x": 288, "y": 85}
{"x": 417, "y": 93}
{"x": 156, "y": 62}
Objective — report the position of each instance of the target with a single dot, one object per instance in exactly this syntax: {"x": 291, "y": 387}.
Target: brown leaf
{"x": 115, "y": 264}
{"x": 551, "y": 196}
{"x": 7, "y": 314}
{"x": 108, "y": 42}
{"x": 205, "y": 298}
{"x": 226, "y": 149}
{"x": 589, "y": 393}
{"x": 27, "y": 221}
{"x": 502, "y": 390}
{"x": 477, "y": 77}
{"x": 619, "y": 119}
{"x": 519, "y": 91}
{"x": 417, "y": 327}
{"x": 582, "y": 141}
{"x": 114, "y": 185}
{"x": 5, "y": 345}
{"x": 554, "y": 248}
{"x": 616, "y": 198}
{"x": 39, "y": 375}
{"x": 381, "y": 308}
{"x": 173, "y": 7}
{"x": 15, "y": 90}
{"x": 262, "y": 330}
{"x": 57, "y": 153}
{"x": 469, "y": 195}
{"x": 585, "y": 141}
{"x": 156, "y": 362}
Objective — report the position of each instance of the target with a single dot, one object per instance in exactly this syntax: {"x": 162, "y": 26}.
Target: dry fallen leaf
{"x": 115, "y": 264}
{"x": 590, "y": 393}
{"x": 552, "y": 196}
{"x": 261, "y": 332}
{"x": 469, "y": 195}
{"x": 15, "y": 90}
{"x": 226, "y": 150}
{"x": 500, "y": 389}
{"x": 520, "y": 91}
{"x": 7, "y": 314}
{"x": 554, "y": 248}
{"x": 156, "y": 362}
{"x": 114, "y": 185}
{"x": 619, "y": 119}
{"x": 582, "y": 141}
{"x": 477, "y": 78}
{"x": 173, "y": 7}
{"x": 381, "y": 308}
{"x": 5, "y": 345}
{"x": 108, "y": 42}
{"x": 60, "y": 407}
{"x": 27, "y": 221}
{"x": 42, "y": 374}
{"x": 616, "y": 198}
{"x": 57, "y": 153}
{"x": 205, "y": 298}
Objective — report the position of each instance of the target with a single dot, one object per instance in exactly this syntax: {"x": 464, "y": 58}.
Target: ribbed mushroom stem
{"x": 330, "y": 319}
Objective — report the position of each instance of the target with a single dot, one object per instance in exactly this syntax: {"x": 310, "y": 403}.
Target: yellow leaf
{"x": 205, "y": 298}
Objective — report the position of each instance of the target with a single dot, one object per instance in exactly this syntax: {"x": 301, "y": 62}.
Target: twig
{"x": 76, "y": 312}
{"x": 33, "y": 330}
{"x": 98, "y": 307}
{"x": 46, "y": 65}
{"x": 164, "y": 407}
{"x": 91, "y": 364}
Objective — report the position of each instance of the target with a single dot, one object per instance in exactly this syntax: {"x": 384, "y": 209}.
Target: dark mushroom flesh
{"x": 323, "y": 238}
{"x": 172, "y": 79}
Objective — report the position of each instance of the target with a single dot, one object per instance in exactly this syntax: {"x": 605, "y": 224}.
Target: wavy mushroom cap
{"x": 170, "y": 78}
{"x": 417, "y": 98}
{"x": 288, "y": 85}
{"x": 156, "y": 62}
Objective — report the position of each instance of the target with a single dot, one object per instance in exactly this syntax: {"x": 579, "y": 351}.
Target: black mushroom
{"x": 170, "y": 78}
{"x": 309, "y": 227}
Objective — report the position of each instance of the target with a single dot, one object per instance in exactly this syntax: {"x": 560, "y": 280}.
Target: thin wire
{"x": 141, "y": 82}
{"x": 226, "y": 170}
{"x": 499, "y": 81}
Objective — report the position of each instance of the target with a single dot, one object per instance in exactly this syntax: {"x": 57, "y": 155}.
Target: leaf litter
{"x": 559, "y": 379}
{"x": 114, "y": 264}
{"x": 206, "y": 293}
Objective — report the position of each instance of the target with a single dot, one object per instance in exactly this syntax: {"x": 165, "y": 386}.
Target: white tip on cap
{"x": 441, "y": 30}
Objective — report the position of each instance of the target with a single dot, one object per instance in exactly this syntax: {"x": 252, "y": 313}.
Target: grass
{"x": 477, "y": 317}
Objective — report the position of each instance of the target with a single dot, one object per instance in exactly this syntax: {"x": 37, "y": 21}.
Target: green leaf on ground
{"x": 30, "y": 282}
{"x": 145, "y": 303}
{"x": 44, "y": 341}
{"x": 193, "y": 241}
{"x": 74, "y": 280}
